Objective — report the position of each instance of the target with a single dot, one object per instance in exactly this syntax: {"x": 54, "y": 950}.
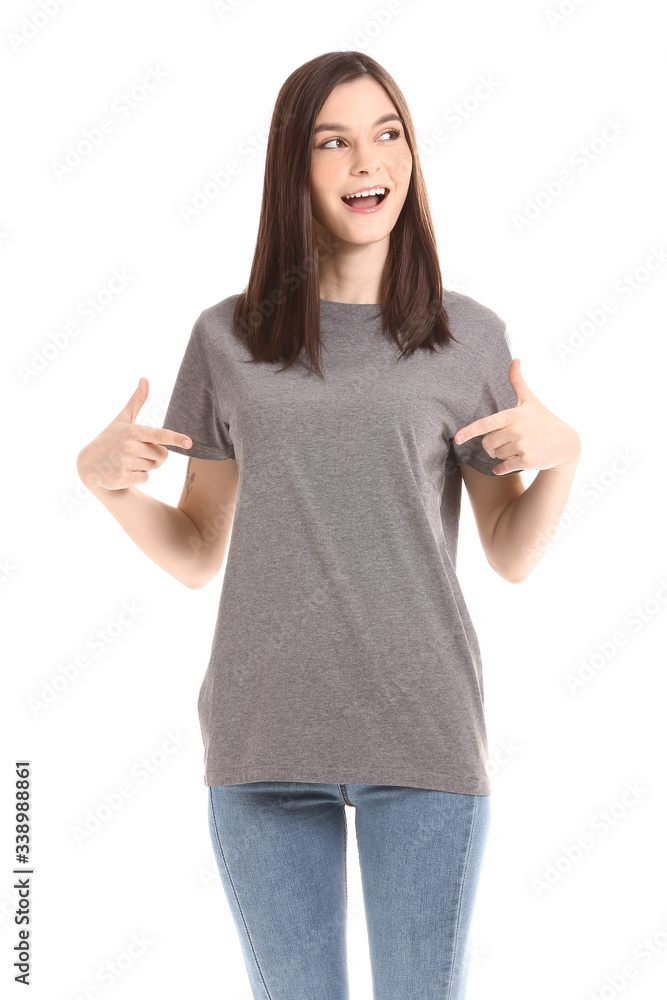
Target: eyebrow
{"x": 337, "y": 127}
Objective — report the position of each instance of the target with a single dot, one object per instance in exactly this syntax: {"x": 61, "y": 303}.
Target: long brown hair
{"x": 277, "y": 315}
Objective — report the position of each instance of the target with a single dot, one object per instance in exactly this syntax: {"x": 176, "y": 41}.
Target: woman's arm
{"x": 526, "y": 436}
{"x": 527, "y": 524}
{"x": 164, "y": 533}
{"x": 190, "y": 545}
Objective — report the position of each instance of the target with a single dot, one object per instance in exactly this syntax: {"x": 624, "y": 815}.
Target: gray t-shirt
{"x": 343, "y": 649}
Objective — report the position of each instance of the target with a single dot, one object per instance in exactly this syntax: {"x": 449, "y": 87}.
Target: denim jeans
{"x": 280, "y": 848}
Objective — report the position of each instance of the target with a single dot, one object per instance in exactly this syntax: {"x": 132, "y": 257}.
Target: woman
{"x": 330, "y": 413}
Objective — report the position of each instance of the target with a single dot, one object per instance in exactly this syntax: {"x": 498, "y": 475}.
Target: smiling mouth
{"x": 365, "y": 204}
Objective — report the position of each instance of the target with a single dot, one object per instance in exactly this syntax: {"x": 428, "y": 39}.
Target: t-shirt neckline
{"x": 334, "y": 304}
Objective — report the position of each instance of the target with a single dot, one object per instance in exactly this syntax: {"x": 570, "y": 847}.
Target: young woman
{"x": 331, "y": 412}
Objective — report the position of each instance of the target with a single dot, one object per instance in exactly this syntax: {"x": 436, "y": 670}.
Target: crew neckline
{"x": 351, "y": 305}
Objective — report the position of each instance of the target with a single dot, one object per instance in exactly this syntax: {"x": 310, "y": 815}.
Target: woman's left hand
{"x": 528, "y": 436}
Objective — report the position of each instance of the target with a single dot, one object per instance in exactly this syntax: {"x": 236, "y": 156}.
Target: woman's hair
{"x": 278, "y": 313}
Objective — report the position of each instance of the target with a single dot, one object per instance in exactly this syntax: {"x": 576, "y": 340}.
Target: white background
{"x": 559, "y": 759}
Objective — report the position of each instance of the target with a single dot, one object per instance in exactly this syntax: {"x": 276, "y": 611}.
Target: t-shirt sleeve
{"x": 193, "y": 409}
{"x": 493, "y": 393}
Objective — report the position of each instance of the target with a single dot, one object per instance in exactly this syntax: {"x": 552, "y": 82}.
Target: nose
{"x": 366, "y": 160}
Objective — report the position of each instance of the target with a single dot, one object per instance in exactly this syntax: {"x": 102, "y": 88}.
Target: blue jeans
{"x": 280, "y": 848}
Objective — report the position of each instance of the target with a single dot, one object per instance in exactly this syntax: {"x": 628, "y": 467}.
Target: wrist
{"x": 101, "y": 491}
{"x": 567, "y": 466}
{"x": 573, "y": 455}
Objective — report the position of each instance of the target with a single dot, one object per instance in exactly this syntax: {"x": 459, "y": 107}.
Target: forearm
{"x": 527, "y": 525}
{"x": 164, "y": 533}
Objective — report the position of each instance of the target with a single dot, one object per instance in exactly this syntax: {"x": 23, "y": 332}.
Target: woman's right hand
{"x": 124, "y": 452}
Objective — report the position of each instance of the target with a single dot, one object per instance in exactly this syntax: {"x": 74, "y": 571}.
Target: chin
{"x": 353, "y": 230}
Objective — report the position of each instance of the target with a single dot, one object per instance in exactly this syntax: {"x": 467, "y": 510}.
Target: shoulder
{"x": 215, "y": 324}
{"x": 221, "y": 313}
{"x": 476, "y": 326}
{"x": 471, "y": 316}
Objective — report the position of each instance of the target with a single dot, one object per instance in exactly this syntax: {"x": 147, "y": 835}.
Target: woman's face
{"x": 352, "y": 153}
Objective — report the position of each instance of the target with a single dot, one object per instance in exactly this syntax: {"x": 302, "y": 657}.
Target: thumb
{"x": 518, "y": 383}
{"x": 131, "y": 409}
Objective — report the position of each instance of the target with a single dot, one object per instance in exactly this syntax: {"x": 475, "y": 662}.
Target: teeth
{"x": 365, "y": 194}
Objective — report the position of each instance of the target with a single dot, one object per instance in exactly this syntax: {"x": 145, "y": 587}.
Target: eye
{"x": 395, "y": 132}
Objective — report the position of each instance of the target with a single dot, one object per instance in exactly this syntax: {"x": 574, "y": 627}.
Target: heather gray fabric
{"x": 343, "y": 649}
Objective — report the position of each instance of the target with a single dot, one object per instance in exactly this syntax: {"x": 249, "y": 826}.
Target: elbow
{"x": 516, "y": 574}
{"x": 192, "y": 582}
{"x": 200, "y": 581}
{"x": 512, "y": 574}
{"x": 513, "y": 569}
